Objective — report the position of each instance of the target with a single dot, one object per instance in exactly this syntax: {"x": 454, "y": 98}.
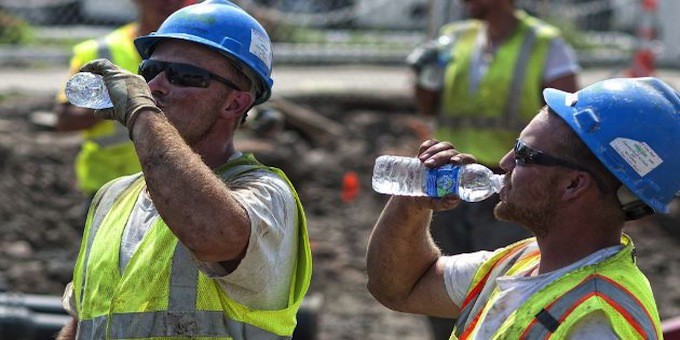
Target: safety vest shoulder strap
{"x": 103, "y": 199}
{"x": 183, "y": 292}
{"x": 479, "y": 291}
{"x": 301, "y": 279}
{"x": 614, "y": 286}
{"x": 599, "y": 292}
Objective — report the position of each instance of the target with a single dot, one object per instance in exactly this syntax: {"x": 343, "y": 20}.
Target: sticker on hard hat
{"x": 637, "y": 154}
{"x": 261, "y": 47}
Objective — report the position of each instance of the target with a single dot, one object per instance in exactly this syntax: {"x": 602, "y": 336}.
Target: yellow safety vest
{"x": 161, "y": 294}
{"x": 107, "y": 151}
{"x": 614, "y": 286}
{"x": 486, "y": 121}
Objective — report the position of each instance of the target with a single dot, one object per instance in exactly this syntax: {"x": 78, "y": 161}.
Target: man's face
{"x": 530, "y": 196}
{"x": 197, "y": 113}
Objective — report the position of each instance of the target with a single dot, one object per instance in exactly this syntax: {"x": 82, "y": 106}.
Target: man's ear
{"x": 239, "y": 102}
{"x": 576, "y": 184}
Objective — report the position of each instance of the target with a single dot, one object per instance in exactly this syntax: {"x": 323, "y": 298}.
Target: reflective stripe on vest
{"x": 480, "y": 290}
{"x": 181, "y": 317}
{"x": 112, "y": 189}
{"x": 511, "y": 117}
{"x": 613, "y": 293}
{"x": 181, "y": 314}
{"x": 614, "y": 286}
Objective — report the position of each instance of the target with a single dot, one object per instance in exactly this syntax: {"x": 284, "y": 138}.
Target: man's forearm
{"x": 400, "y": 251}
{"x": 68, "y": 332}
{"x": 190, "y": 198}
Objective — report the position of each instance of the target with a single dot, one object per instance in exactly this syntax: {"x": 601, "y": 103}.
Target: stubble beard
{"x": 536, "y": 215}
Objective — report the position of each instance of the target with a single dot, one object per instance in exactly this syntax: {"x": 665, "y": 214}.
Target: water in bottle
{"x": 406, "y": 176}
{"x": 86, "y": 89}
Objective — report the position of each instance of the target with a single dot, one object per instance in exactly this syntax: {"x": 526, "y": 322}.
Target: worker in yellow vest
{"x": 205, "y": 242}
{"x": 106, "y": 151}
{"x": 588, "y": 162}
{"x": 481, "y": 82}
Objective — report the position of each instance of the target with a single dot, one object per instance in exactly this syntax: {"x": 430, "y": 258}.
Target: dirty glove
{"x": 129, "y": 93}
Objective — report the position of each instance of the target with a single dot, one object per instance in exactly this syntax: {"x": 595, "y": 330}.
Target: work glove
{"x": 128, "y": 91}
{"x": 423, "y": 55}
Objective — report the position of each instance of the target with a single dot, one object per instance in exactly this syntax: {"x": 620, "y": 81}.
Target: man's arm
{"x": 194, "y": 203}
{"x": 68, "y": 332}
{"x": 427, "y": 101}
{"x": 402, "y": 261}
{"x": 73, "y": 118}
{"x": 192, "y": 200}
{"x": 404, "y": 271}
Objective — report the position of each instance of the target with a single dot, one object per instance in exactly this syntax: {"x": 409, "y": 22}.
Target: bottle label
{"x": 442, "y": 181}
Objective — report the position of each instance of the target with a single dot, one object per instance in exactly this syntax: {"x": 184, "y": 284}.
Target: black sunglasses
{"x": 181, "y": 74}
{"x": 524, "y": 155}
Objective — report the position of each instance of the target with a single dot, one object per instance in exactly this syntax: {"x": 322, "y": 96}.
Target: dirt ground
{"x": 40, "y": 210}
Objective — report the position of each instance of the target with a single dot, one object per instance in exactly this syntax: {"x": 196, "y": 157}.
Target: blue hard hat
{"x": 225, "y": 27}
{"x": 633, "y": 126}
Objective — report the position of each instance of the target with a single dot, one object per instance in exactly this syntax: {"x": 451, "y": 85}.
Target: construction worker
{"x": 206, "y": 242}
{"x": 588, "y": 162}
{"x": 106, "y": 151}
{"x": 481, "y": 81}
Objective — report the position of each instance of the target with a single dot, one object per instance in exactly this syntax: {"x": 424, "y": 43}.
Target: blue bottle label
{"x": 442, "y": 181}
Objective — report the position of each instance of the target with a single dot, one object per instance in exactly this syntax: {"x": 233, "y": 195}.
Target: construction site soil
{"x": 40, "y": 210}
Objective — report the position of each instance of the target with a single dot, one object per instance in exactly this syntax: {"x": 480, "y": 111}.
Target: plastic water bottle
{"x": 88, "y": 90}
{"x": 406, "y": 176}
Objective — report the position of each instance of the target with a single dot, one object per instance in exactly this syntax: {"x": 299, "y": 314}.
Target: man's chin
{"x": 504, "y": 212}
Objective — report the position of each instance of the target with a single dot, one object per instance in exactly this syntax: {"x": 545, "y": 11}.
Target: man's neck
{"x": 566, "y": 245}
{"x": 500, "y": 26}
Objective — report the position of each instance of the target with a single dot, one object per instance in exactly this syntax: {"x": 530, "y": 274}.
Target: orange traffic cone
{"x": 644, "y": 58}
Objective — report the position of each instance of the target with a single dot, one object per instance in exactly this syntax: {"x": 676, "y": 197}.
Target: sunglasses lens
{"x": 187, "y": 75}
{"x": 178, "y": 74}
{"x": 149, "y": 69}
{"x": 521, "y": 153}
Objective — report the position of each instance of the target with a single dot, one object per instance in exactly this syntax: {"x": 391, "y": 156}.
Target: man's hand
{"x": 129, "y": 92}
{"x": 435, "y": 154}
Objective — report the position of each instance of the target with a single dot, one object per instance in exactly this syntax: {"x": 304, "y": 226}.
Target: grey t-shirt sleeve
{"x": 262, "y": 278}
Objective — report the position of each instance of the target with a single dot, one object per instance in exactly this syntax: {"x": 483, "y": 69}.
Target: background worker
{"x": 482, "y": 81}
{"x": 106, "y": 152}
{"x": 206, "y": 241}
{"x": 584, "y": 165}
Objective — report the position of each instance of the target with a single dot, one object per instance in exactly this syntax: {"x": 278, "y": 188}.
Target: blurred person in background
{"x": 206, "y": 242}
{"x": 106, "y": 151}
{"x": 481, "y": 81}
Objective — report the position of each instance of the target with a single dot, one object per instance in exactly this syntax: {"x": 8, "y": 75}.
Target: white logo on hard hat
{"x": 638, "y": 155}
{"x": 261, "y": 47}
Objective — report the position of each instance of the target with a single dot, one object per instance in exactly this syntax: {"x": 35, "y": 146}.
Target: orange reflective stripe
{"x": 614, "y": 294}
{"x": 470, "y": 300}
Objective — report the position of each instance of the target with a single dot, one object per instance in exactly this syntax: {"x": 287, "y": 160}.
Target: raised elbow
{"x": 388, "y": 299}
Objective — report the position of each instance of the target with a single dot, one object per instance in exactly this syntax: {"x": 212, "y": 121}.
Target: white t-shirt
{"x": 262, "y": 278}
{"x": 514, "y": 290}
{"x": 560, "y": 61}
